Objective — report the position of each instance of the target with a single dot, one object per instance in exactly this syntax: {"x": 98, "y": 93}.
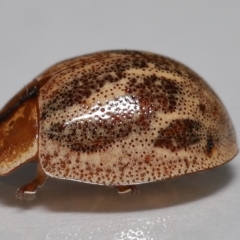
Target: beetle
{"x": 116, "y": 118}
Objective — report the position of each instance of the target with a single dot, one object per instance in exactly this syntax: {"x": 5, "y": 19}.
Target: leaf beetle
{"x": 116, "y": 118}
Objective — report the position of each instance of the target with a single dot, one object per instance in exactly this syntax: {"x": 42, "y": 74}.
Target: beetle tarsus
{"x": 127, "y": 189}
{"x": 28, "y": 191}
{"x": 24, "y": 194}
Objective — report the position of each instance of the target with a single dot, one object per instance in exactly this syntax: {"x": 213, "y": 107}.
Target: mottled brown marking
{"x": 180, "y": 134}
{"x": 80, "y": 88}
{"x": 161, "y": 93}
{"x": 152, "y": 95}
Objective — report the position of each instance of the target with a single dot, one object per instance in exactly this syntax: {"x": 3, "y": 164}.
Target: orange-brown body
{"x": 116, "y": 118}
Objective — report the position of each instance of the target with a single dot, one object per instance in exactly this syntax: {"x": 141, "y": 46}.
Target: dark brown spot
{"x": 180, "y": 134}
{"x": 187, "y": 163}
{"x": 148, "y": 159}
{"x": 202, "y": 108}
{"x": 210, "y": 145}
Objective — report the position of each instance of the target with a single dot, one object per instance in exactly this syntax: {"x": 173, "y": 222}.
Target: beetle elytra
{"x": 115, "y": 118}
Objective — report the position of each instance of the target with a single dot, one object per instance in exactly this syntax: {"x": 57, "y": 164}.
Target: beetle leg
{"x": 28, "y": 191}
{"x": 128, "y": 188}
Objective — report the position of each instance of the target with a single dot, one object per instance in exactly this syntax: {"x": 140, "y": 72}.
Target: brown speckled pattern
{"x": 128, "y": 117}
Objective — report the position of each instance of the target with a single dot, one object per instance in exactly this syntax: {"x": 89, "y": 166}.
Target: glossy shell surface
{"x": 128, "y": 117}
